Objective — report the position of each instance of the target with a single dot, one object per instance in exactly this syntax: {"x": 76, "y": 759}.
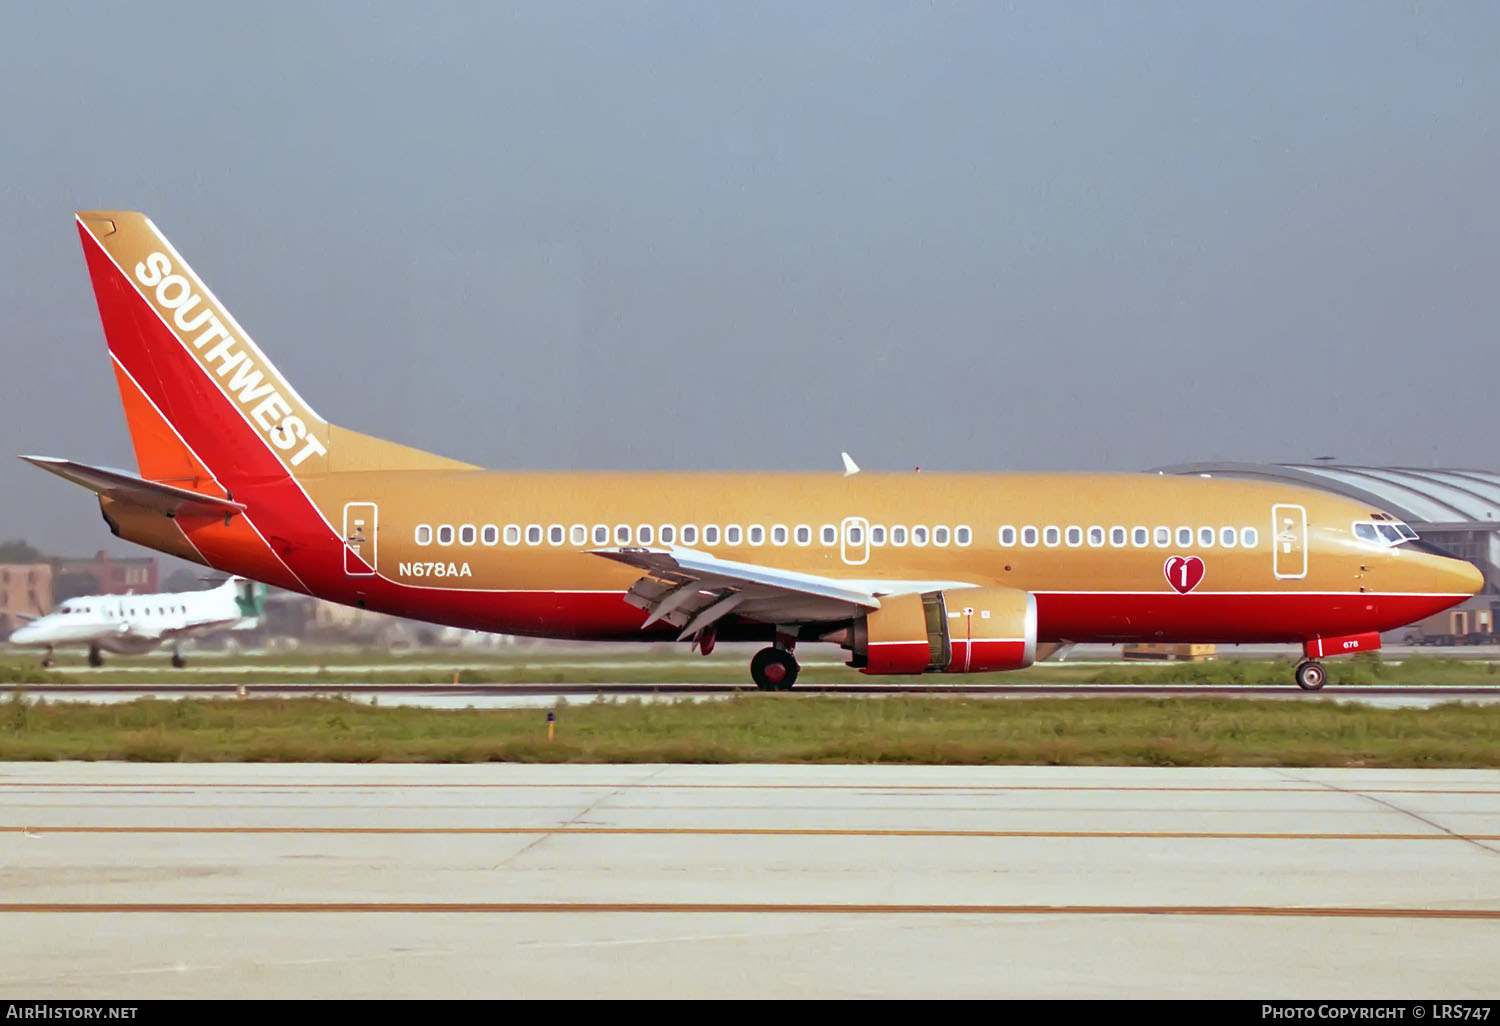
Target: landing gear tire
{"x": 96, "y": 657}
{"x": 177, "y": 661}
{"x": 47, "y": 661}
{"x": 774, "y": 669}
{"x": 1310, "y": 675}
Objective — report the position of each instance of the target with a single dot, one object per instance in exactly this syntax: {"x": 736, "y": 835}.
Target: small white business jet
{"x": 132, "y": 624}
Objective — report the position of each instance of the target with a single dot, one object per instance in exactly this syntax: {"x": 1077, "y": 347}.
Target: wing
{"x": 117, "y": 484}
{"x": 201, "y": 627}
{"x": 693, "y": 590}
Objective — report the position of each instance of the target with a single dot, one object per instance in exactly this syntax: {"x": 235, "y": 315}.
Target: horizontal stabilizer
{"x": 125, "y": 487}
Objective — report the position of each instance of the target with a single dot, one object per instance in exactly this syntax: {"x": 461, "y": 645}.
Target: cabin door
{"x": 360, "y": 523}
{"x": 1289, "y": 536}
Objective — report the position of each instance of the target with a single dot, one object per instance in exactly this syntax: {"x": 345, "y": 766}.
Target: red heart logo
{"x": 1183, "y": 573}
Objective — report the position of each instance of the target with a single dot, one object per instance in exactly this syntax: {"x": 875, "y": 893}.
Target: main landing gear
{"x": 177, "y": 660}
{"x": 96, "y": 657}
{"x": 1310, "y": 675}
{"x": 775, "y": 668}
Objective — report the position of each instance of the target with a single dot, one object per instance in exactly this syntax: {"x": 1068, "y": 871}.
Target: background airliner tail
{"x": 207, "y": 410}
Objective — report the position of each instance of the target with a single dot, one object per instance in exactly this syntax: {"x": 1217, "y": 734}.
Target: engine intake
{"x": 961, "y": 630}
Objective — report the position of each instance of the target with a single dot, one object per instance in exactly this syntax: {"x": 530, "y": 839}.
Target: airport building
{"x": 1455, "y": 510}
{"x": 103, "y": 574}
{"x": 25, "y": 591}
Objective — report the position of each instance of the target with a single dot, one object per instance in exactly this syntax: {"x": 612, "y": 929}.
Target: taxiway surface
{"x": 140, "y": 881}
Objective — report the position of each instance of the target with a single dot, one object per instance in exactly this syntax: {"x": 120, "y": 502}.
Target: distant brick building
{"x": 25, "y": 588}
{"x": 102, "y": 574}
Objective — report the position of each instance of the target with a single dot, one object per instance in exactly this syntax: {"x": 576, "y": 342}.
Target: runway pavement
{"x": 141, "y": 881}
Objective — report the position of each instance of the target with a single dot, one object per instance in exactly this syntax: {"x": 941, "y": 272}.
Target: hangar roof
{"x": 1450, "y": 497}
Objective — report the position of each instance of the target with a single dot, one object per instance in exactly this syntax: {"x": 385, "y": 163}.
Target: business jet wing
{"x": 693, "y": 590}
{"x": 201, "y": 627}
{"x": 117, "y": 484}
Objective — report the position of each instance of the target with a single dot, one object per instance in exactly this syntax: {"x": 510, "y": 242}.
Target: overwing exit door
{"x": 854, "y": 541}
{"x": 360, "y": 523}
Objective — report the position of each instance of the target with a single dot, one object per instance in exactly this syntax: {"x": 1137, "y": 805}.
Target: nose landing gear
{"x": 1310, "y": 675}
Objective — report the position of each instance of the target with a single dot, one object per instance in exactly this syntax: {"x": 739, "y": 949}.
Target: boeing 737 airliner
{"x": 910, "y": 573}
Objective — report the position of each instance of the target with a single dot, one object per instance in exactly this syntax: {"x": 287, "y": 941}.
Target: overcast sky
{"x": 715, "y": 235}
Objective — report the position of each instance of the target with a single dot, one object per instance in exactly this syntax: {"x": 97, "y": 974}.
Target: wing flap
{"x": 692, "y": 590}
{"x": 125, "y": 487}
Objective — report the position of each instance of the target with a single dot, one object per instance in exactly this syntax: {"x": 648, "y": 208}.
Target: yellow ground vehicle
{"x": 1187, "y": 653}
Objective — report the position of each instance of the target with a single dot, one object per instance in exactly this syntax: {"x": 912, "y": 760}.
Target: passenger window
{"x": 1008, "y": 536}
{"x": 445, "y": 534}
{"x": 856, "y": 535}
{"x": 1248, "y": 537}
{"x": 1206, "y": 537}
{"x": 668, "y": 534}
{"x": 689, "y": 534}
{"x": 1184, "y": 536}
{"x": 533, "y": 534}
{"x": 1163, "y": 537}
{"x": 424, "y": 534}
{"x": 1051, "y": 536}
{"x": 1226, "y": 537}
{"x": 964, "y": 536}
{"x": 556, "y": 534}
{"x": 1140, "y": 537}
{"x": 1117, "y": 537}
{"x": 601, "y": 534}
{"x": 1028, "y": 537}
{"x": 804, "y": 534}
{"x": 490, "y": 534}
{"x": 778, "y": 534}
{"x": 622, "y": 534}
{"x": 1075, "y": 536}
{"x": 644, "y": 534}
{"x": 940, "y": 536}
{"x": 898, "y": 535}
{"x": 919, "y": 535}
{"x": 710, "y": 534}
{"x": 732, "y": 534}
{"x": 757, "y": 534}
{"x": 512, "y": 534}
{"x": 466, "y": 534}
{"x": 1096, "y": 536}
{"x": 580, "y": 534}
{"x": 830, "y": 534}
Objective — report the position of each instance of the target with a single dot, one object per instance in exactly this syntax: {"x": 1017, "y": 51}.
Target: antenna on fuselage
{"x": 850, "y": 467}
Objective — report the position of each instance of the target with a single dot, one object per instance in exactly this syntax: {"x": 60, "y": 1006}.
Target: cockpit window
{"x": 1383, "y": 529}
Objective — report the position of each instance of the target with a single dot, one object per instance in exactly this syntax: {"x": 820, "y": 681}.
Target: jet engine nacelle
{"x": 962, "y": 630}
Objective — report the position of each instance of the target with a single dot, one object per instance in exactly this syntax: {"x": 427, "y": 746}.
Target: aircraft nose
{"x": 1467, "y": 576}
{"x": 22, "y": 635}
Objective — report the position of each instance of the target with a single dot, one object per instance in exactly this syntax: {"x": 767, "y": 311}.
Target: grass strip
{"x": 763, "y": 728}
